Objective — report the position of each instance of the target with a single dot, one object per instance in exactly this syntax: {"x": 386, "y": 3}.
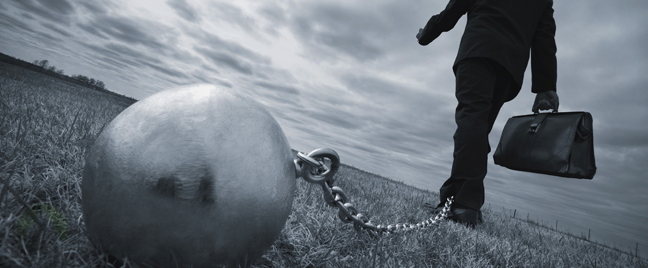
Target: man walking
{"x": 489, "y": 68}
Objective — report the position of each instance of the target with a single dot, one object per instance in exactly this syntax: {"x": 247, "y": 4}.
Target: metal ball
{"x": 196, "y": 176}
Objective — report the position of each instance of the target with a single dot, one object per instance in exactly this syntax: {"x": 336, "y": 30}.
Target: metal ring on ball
{"x": 327, "y": 176}
{"x": 307, "y": 159}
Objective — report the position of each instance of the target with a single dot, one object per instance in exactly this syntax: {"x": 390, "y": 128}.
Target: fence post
{"x": 556, "y": 225}
{"x": 589, "y": 232}
{"x": 514, "y": 213}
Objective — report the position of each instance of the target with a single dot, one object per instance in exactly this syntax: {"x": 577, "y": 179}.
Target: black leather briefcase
{"x": 559, "y": 144}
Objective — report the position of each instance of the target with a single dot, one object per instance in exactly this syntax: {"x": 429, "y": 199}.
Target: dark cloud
{"x": 92, "y": 30}
{"x": 230, "y": 54}
{"x": 273, "y": 17}
{"x": 366, "y": 147}
{"x": 181, "y": 55}
{"x": 100, "y": 50}
{"x": 226, "y": 12}
{"x": 337, "y": 118}
{"x": 132, "y": 31}
{"x": 389, "y": 92}
{"x": 58, "y": 15}
{"x": 221, "y": 58}
{"x": 287, "y": 118}
{"x": 213, "y": 42}
{"x": 10, "y": 22}
{"x": 135, "y": 58}
{"x": 276, "y": 87}
{"x": 601, "y": 69}
{"x": 115, "y": 56}
{"x": 278, "y": 102}
{"x": 622, "y": 136}
{"x": 56, "y": 29}
{"x": 47, "y": 39}
{"x": 104, "y": 66}
{"x": 184, "y": 10}
{"x": 331, "y": 30}
{"x": 126, "y": 57}
{"x": 121, "y": 66}
{"x": 399, "y": 118}
{"x": 96, "y": 7}
{"x": 384, "y": 30}
{"x": 26, "y": 15}
{"x": 128, "y": 52}
{"x": 371, "y": 85}
{"x": 165, "y": 70}
{"x": 60, "y": 6}
{"x": 273, "y": 13}
{"x": 210, "y": 79}
{"x": 208, "y": 68}
{"x": 396, "y": 141}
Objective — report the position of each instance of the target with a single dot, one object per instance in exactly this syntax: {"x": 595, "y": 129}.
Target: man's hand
{"x": 419, "y": 34}
{"x": 545, "y": 101}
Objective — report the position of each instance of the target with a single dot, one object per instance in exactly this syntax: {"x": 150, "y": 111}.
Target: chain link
{"x": 313, "y": 169}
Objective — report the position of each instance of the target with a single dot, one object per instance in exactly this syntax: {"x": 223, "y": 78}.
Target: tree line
{"x": 82, "y": 79}
{"x": 44, "y": 67}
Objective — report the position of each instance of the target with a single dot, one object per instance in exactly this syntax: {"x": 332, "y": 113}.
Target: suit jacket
{"x": 505, "y": 31}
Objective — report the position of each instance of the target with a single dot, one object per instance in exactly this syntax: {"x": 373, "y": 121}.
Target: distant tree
{"x": 43, "y": 64}
{"x": 101, "y": 84}
{"x": 82, "y": 79}
{"x": 92, "y": 82}
{"x": 60, "y": 71}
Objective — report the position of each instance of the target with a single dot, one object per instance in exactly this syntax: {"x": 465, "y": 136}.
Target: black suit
{"x": 504, "y": 30}
{"x": 489, "y": 70}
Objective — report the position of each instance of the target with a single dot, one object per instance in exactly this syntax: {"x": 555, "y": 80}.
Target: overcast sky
{"x": 349, "y": 75}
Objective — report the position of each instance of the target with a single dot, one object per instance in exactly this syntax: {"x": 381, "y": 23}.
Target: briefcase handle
{"x": 533, "y": 128}
{"x": 553, "y": 110}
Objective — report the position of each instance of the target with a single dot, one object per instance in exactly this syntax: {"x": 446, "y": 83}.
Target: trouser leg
{"x": 482, "y": 87}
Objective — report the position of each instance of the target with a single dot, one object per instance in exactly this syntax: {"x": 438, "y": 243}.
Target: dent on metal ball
{"x": 196, "y": 176}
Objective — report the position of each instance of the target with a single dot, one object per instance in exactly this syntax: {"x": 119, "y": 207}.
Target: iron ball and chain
{"x": 312, "y": 168}
{"x": 172, "y": 166}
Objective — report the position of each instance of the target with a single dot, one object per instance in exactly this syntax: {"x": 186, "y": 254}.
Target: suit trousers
{"x": 482, "y": 87}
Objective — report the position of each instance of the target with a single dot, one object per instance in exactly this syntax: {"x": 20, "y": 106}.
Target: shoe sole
{"x": 466, "y": 216}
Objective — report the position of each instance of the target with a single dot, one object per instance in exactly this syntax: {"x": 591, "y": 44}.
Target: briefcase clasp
{"x": 533, "y": 128}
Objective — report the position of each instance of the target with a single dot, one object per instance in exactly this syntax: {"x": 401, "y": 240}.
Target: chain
{"x": 313, "y": 169}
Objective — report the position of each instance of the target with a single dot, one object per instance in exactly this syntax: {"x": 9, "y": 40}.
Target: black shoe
{"x": 436, "y": 210}
{"x": 466, "y": 216}
{"x": 433, "y": 209}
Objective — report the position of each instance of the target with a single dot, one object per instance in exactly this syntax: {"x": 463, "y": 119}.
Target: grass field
{"x": 46, "y": 126}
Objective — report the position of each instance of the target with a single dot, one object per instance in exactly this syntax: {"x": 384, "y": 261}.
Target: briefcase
{"x": 559, "y": 144}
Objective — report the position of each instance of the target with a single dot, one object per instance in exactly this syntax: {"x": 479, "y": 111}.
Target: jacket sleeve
{"x": 543, "y": 53}
{"x": 444, "y": 21}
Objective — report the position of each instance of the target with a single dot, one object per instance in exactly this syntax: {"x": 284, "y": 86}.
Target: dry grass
{"x": 46, "y": 125}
